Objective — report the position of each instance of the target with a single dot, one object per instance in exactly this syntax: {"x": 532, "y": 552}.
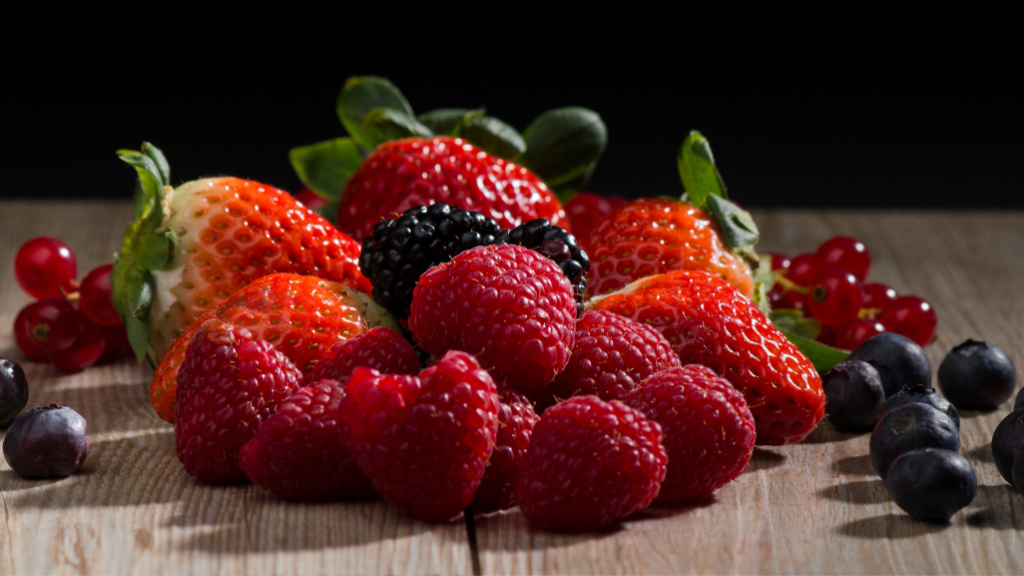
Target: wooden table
{"x": 815, "y": 507}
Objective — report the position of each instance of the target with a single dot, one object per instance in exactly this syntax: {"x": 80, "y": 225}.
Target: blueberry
{"x": 1006, "y": 440}
{"x": 1017, "y": 471}
{"x": 47, "y": 442}
{"x": 899, "y": 361}
{"x": 922, "y": 394}
{"x": 909, "y": 427}
{"x": 931, "y": 484}
{"x": 977, "y": 376}
{"x": 853, "y": 394}
{"x": 13, "y": 391}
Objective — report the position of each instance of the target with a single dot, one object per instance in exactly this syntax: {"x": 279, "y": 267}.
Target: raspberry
{"x": 298, "y": 453}
{"x": 559, "y": 246}
{"x": 589, "y": 462}
{"x": 516, "y": 420}
{"x": 228, "y": 385}
{"x": 510, "y": 306}
{"x": 612, "y": 356}
{"x": 381, "y": 348}
{"x": 423, "y": 440}
{"x": 709, "y": 431}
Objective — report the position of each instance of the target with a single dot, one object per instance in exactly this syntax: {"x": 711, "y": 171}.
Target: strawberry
{"x": 302, "y": 316}
{"x": 656, "y": 235}
{"x": 420, "y": 171}
{"x": 709, "y": 321}
{"x": 193, "y": 246}
{"x": 586, "y": 209}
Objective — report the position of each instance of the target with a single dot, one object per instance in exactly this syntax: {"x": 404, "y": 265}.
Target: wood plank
{"x": 133, "y": 509}
{"x": 817, "y": 507}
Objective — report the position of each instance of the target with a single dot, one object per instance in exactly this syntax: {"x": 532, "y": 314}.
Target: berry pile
{"x": 72, "y": 325}
{"x": 829, "y": 286}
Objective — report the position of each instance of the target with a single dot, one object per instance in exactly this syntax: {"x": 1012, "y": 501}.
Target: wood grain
{"x": 815, "y": 507}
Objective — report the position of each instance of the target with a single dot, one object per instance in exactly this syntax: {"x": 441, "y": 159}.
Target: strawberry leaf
{"x": 325, "y": 167}
{"x": 823, "y": 357}
{"x": 563, "y": 146}
{"x": 794, "y": 322}
{"x": 492, "y": 136}
{"x": 737, "y": 227}
{"x": 445, "y": 120}
{"x": 698, "y": 171}
{"x": 383, "y": 124}
{"x": 362, "y": 94}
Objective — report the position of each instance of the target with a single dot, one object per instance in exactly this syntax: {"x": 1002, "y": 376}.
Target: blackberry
{"x": 558, "y": 246}
{"x": 401, "y": 250}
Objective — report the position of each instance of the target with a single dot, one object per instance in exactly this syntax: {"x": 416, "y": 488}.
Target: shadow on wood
{"x": 826, "y": 432}
{"x": 854, "y": 465}
{"x": 889, "y": 526}
{"x": 982, "y": 453}
{"x": 509, "y": 530}
{"x": 764, "y": 459}
{"x": 857, "y": 492}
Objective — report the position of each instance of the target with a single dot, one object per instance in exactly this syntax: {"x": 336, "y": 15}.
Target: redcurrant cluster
{"x": 828, "y": 285}
{"x": 72, "y": 325}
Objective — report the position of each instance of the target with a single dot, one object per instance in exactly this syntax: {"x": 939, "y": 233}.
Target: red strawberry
{"x": 586, "y": 209}
{"x": 302, "y": 316}
{"x": 420, "y": 171}
{"x": 423, "y": 440}
{"x": 516, "y": 420}
{"x": 192, "y": 247}
{"x": 229, "y": 385}
{"x": 382, "y": 349}
{"x": 656, "y": 235}
{"x": 298, "y": 452}
{"x": 708, "y": 321}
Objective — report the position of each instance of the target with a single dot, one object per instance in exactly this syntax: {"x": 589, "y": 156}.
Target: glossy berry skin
{"x": 556, "y": 245}
{"x": 1017, "y": 470}
{"x": 834, "y": 297}
{"x": 228, "y": 386}
{"x": 47, "y": 442}
{"x": 516, "y": 420}
{"x": 298, "y": 452}
{"x": 510, "y": 306}
{"x": 401, "y": 174}
{"x": 586, "y": 209}
{"x": 877, "y": 296}
{"x": 310, "y": 199}
{"x": 921, "y": 394}
{"x": 423, "y": 440}
{"x": 95, "y": 297}
{"x": 651, "y": 236}
{"x": 844, "y": 253}
{"x": 803, "y": 269}
{"x": 854, "y": 394}
{"x": 301, "y": 316}
{"x": 977, "y": 376}
{"x": 855, "y": 332}
{"x": 912, "y": 317}
{"x": 707, "y": 429}
{"x": 381, "y": 348}
{"x": 45, "y": 268}
{"x": 51, "y": 324}
{"x": 24, "y": 339}
{"x": 932, "y": 484}
{"x": 611, "y": 357}
{"x": 899, "y": 361}
{"x": 13, "y": 391}
{"x": 708, "y": 321}
{"x": 907, "y": 428}
{"x": 779, "y": 261}
{"x": 84, "y": 352}
{"x": 590, "y": 462}
{"x": 1007, "y": 439}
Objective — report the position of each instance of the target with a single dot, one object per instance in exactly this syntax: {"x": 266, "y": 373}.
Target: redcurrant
{"x": 803, "y": 269}
{"x": 834, "y": 298}
{"x": 52, "y": 323}
{"x": 779, "y": 262}
{"x": 45, "y": 268}
{"x": 912, "y": 317}
{"x": 827, "y": 335}
{"x": 26, "y": 343}
{"x": 852, "y": 334}
{"x": 85, "y": 351}
{"x": 95, "y": 299}
{"x": 877, "y": 296}
{"x": 115, "y": 344}
{"x": 845, "y": 253}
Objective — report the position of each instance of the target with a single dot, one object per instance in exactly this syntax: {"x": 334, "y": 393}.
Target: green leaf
{"x": 163, "y": 168}
{"x": 329, "y": 211}
{"x": 383, "y": 124}
{"x": 794, "y": 322}
{"x": 444, "y": 120}
{"x": 698, "y": 171}
{"x": 362, "y": 94}
{"x": 325, "y": 167}
{"x": 492, "y": 136}
{"x": 563, "y": 146}
{"x": 737, "y": 227}
{"x": 156, "y": 251}
{"x": 823, "y": 357}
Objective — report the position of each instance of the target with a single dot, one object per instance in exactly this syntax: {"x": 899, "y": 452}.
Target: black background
{"x": 839, "y": 110}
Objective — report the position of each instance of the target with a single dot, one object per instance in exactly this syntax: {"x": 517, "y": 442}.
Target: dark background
{"x": 824, "y": 110}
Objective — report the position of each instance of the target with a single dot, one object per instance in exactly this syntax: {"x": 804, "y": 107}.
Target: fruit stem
{"x": 788, "y": 284}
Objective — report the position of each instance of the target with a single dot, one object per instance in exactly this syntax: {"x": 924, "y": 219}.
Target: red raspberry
{"x": 589, "y": 462}
{"x": 510, "y": 306}
{"x": 228, "y": 385}
{"x": 612, "y": 356}
{"x": 709, "y": 431}
{"x": 516, "y": 420}
{"x": 298, "y": 453}
{"x": 424, "y": 441}
{"x": 381, "y": 348}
